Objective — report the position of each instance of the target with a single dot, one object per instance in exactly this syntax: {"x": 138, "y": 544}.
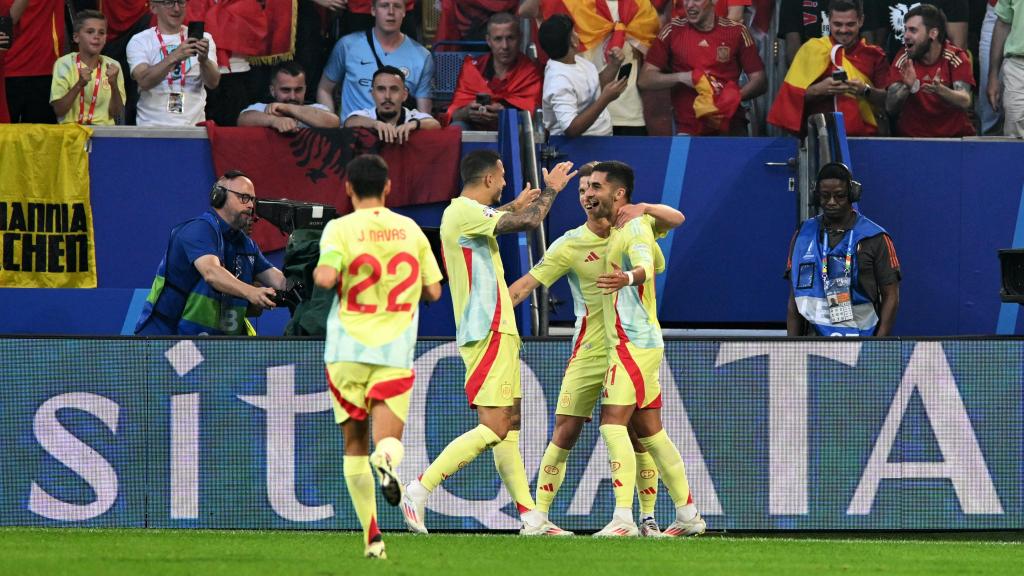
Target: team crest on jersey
{"x": 897, "y": 15}
{"x": 489, "y": 212}
{"x": 722, "y": 55}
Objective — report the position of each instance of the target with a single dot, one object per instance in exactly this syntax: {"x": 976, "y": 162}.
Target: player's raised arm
{"x": 533, "y": 214}
{"x": 665, "y": 217}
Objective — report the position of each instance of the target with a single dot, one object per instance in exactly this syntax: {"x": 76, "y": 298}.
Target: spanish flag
{"x": 716, "y": 102}
{"x": 593, "y": 21}
{"x": 813, "y": 61}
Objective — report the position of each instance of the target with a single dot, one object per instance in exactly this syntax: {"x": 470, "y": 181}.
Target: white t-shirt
{"x": 155, "y": 104}
{"x": 410, "y": 115}
{"x": 569, "y": 89}
{"x": 262, "y": 107}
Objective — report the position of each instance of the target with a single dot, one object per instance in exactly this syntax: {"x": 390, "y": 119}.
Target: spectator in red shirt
{"x": 468, "y": 19}
{"x": 700, "y": 59}
{"x": 505, "y": 77}
{"x": 12, "y": 11}
{"x": 38, "y": 42}
{"x": 931, "y": 80}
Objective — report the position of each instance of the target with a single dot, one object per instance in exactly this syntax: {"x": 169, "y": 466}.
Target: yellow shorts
{"x": 354, "y": 386}
{"x": 581, "y": 386}
{"x": 633, "y": 376}
{"x": 492, "y": 370}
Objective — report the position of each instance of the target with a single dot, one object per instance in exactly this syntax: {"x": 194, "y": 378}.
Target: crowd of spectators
{"x": 592, "y": 67}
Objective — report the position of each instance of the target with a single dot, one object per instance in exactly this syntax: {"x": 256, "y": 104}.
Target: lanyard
{"x": 82, "y": 118}
{"x": 163, "y": 50}
{"x": 825, "y": 249}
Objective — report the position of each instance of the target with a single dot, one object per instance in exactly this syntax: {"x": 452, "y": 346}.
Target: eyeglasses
{"x": 169, "y": 2}
{"x": 245, "y": 199}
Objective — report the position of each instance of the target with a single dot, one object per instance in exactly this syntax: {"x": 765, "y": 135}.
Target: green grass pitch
{"x": 322, "y": 553}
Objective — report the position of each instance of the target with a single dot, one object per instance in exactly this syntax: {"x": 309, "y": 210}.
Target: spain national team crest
{"x": 722, "y": 54}
{"x": 506, "y": 391}
{"x": 565, "y": 400}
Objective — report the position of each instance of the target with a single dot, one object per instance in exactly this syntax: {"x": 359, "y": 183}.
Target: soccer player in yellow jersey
{"x": 486, "y": 331}
{"x": 382, "y": 266}
{"x": 633, "y": 393}
{"x": 580, "y": 254}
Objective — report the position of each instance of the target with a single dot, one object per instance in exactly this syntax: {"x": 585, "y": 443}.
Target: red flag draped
{"x": 521, "y": 87}
{"x": 309, "y": 166}
{"x": 716, "y": 102}
{"x": 238, "y": 27}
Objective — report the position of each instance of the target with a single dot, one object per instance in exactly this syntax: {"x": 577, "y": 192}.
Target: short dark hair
{"x": 619, "y": 173}
{"x": 932, "y": 16}
{"x": 554, "y": 36}
{"x": 289, "y": 67}
{"x": 588, "y": 168}
{"x": 367, "y": 174}
{"x": 846, "y": 6}
{"x": 478, "y": 163}
{"x": 388, "y": 70}
{"x": 84, "y": 15}
{"x": 499, "y": 18}
{"x": 834, "y": 171}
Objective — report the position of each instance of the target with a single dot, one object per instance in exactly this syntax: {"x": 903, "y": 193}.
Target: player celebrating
{"x": 636, "y": 350}
{"x": 486, "y": 331}
{"x": 581, "y": 253}
{"x": 382, "y": 264}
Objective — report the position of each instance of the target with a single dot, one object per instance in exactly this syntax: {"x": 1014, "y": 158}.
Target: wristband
{"x": 417, "y": 121}
{"x": 629, "y": 277}
{"x": 915, "y": 87}
{"x": 867, "y": 91}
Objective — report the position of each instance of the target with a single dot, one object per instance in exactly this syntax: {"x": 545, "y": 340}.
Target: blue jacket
{"x": 808, "y": 285}
{"x": 180, "y": 302}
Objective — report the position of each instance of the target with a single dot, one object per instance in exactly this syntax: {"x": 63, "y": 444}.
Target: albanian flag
{"x": 309, "y": 166}
{"x": 815, "y": 58}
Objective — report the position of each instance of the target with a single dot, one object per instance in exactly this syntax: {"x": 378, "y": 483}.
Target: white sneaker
{"x": 390, "y": 486}
{"x": 376, "y": 551}
{"x": 618, "y": 527}
{"x": 649, "y": 528}
{"x": 693, "y": 527}
{"x": 545, "y": 528}
{"x": 413, "y": 510}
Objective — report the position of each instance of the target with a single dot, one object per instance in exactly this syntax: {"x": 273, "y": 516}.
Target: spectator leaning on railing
{"x": 358, "y": 55}
{"x": 488, "y": 84}
{"x": 87, "y": 87}
{"x": 576, "y": 97}
{"x": 288, "y": 112}
{"x": 393, "y": 122}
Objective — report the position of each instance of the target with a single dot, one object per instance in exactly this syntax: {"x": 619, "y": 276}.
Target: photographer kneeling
{"x": 204, "y": 284}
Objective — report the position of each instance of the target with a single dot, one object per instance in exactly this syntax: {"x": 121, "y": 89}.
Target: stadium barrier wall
{"x": 237, "y": 433}
{"x": 949, "y": 205}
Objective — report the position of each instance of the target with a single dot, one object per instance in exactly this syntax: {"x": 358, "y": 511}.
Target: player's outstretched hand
{"x": 526, "y": 197}
{"x": 559, "y": 176}
{"x": 613, "y": 281}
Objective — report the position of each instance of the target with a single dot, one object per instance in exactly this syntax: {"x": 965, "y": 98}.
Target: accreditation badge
{"x": 840, "y": 302}
{"x": 176, "y": 103}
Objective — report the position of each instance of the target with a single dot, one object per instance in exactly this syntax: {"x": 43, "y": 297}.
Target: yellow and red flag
{"x": 811, "y": 63}
{"x": 593, "y": 21}
{"x": 716, "y": 102}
